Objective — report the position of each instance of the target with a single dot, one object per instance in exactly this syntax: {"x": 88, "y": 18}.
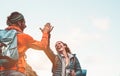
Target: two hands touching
{"x": 47, "y": 28}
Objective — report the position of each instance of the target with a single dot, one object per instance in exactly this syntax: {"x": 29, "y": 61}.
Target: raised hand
{"x": 47, "y": 28}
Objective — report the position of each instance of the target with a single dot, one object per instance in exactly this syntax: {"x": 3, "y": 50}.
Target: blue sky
{"x": 89, "y": 27}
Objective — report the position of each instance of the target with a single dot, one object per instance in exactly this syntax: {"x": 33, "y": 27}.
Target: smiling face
{"x": 60, "y": 47}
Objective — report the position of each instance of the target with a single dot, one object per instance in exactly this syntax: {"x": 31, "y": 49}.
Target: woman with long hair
{"x": 64, "y": 63}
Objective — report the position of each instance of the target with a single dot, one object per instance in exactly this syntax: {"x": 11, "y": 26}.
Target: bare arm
{"x": 50, "y": 54}
{"x": 48, "y": 28}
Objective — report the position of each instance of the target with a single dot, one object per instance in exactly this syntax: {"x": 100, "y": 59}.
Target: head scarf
{"x": 14, "y": 17}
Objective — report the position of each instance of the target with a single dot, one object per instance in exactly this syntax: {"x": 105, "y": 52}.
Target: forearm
{"x": 45, "y": 40}
{"x": 39, "y": 45}
{"x": 50, "y": 54}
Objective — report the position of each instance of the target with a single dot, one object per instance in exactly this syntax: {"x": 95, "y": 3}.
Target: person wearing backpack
{"x": 16, "y": 22}
{"x": 64, "y": 63}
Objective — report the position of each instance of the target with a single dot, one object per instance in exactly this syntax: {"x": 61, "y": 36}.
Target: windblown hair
{"x": 14, "y": 18}
{"x": 67, "y": 48}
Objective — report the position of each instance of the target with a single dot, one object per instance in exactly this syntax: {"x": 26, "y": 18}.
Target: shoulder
{"x": 57, "y": 58}
{"x": 25, "y": 36}
{"x": 74, "y": 56}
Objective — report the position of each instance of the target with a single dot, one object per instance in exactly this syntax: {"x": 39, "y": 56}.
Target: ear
{"x": 19, "y": 23}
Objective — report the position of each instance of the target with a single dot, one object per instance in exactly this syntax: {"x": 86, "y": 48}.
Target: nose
{"x": 58, "y": 46}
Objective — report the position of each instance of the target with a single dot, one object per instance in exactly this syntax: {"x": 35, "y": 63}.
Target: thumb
{"x": 41, "y": 29}
{"x": 51, "y": 28}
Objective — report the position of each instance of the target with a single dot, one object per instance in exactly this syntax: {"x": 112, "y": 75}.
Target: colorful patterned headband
{"x": 19, "y": 17}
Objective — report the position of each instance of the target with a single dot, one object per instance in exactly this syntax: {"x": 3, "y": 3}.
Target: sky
{"x": 89, "y": 27}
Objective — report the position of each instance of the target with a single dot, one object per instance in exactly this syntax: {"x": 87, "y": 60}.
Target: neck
{"x": 65, "y": 54}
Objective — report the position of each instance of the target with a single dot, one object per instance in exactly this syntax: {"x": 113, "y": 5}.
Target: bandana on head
{"x": 19, "y": 17}
{"x": 15, "y": 19}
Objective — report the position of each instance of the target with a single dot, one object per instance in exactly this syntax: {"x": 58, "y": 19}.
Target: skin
{"x": 22, "y": 25}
